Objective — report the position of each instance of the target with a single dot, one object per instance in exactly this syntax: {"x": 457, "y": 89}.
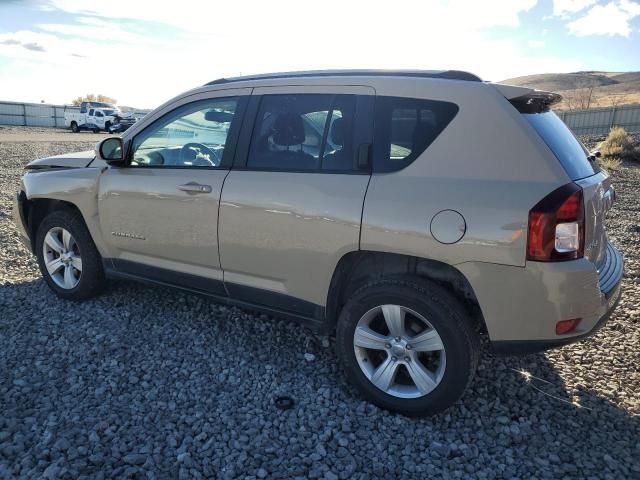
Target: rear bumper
{"x": 521, "y": 309}
{"x": 524, "y": 347}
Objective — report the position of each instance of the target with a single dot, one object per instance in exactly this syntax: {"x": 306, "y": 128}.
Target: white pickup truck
{"x": 97, "y": 116}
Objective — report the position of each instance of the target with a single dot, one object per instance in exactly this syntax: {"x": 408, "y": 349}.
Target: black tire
{"x": 92, "y": 280}
{"x": 444, "y": 313}
{"x": 74, "y": 127}
{"x": 107, "y": 125}
{"x": 96, "y": 130}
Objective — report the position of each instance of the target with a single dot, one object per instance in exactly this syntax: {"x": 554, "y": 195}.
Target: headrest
{"x": 288, "y": 130}
{"x": 337, "y": 131}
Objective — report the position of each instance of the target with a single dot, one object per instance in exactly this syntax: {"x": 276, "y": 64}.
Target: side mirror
{"x": 110, "y": 150}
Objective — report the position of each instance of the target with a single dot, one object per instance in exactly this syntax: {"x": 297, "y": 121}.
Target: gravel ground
{"x": 34, "y": 131}
{"x": 9, "y": 133}
{"x": 152, "y": 383}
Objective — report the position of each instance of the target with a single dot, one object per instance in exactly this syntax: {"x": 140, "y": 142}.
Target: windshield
{"x": 566, "y": 147}
{"x": 108, "y": 112}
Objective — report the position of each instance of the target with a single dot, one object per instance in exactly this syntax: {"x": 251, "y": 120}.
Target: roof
{"x": 441, "y": 74}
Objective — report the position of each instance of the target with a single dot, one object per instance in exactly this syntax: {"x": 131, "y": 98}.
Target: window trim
{"x": 363, "y": 134}
{"x": 230, "y": 145}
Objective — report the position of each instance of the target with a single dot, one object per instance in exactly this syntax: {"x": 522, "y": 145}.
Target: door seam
{"x": 224, "y": 283}
{"x": 364, "y": 198}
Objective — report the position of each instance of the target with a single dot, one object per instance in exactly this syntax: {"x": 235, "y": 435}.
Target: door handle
{"x": 193, "y": 187}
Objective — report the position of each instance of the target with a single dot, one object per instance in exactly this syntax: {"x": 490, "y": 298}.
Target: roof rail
{"x": 442, "y": 74}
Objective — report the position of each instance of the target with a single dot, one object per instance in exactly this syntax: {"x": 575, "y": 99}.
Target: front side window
{"x": 193, "y": 135}
{"x": 405, "y": 127}
{"x": 99, "y": 114}
{"x": 304, "y": 132}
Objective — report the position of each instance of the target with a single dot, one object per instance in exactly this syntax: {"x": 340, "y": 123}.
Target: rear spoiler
{"x": 528, "y": 100}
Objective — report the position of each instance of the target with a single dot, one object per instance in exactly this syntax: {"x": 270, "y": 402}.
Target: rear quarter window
{"x": 563, "y": 143}
{"x": 405, "y": 127}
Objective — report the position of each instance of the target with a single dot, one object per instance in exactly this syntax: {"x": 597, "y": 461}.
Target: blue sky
{"x": 144, "y": 52}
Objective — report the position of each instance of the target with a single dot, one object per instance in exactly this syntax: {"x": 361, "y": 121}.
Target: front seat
{"x": 286, "y": 139}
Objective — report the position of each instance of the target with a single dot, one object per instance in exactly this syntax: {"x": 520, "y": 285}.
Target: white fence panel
{"x": 11, "y": 119}
{"x": 598, "y": 121}
{"x": 39, "y": 114}
{"x": 11, "y": 108}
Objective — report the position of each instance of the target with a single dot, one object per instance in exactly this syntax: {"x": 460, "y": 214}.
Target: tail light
{"x": 556, "y": 226}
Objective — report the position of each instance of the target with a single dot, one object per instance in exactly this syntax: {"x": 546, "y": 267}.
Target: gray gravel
{"x": 151, "y": 383}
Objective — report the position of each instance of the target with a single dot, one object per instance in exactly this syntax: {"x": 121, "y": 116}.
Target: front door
{"x": 292, "y": 204}
{"x": 89, "y": 120}
{"x": 98, "y": 119}
{"x": 159, "y": 214}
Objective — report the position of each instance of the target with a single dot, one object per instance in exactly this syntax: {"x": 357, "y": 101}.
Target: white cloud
{"x": 535, "y": 43}
{"x": 95, "y": 32}
{"x": 564, "y": 7}
{"x": 75, "y": 66}
{"x": 199, "y": 16}
{"x": 33, "y": 46}
{"x": 611, "y": 19}
{"x": 142, "y": 64}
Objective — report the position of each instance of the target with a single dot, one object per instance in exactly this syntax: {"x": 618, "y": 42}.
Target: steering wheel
{"x": 199, "y": 154}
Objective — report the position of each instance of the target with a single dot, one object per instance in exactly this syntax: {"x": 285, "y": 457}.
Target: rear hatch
{"x": 598, "y": 192}
{"x": 596, "y": 185}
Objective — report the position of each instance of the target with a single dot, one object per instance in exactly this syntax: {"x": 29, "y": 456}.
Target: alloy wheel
{"x": 399, "y": 351}
{"x": 62, "y": 258}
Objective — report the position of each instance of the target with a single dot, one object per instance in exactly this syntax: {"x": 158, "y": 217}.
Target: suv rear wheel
{"x": 67, "y": 256}
{"x": 407, "y": 345}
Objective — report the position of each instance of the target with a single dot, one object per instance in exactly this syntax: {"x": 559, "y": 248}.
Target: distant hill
{"x": 586, "y": 89}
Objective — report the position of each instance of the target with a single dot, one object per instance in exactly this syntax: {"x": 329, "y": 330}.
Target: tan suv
{"x": 407, "y": 211}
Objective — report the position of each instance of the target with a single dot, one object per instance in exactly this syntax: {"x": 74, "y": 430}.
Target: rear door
{"x": 292, "y": 205}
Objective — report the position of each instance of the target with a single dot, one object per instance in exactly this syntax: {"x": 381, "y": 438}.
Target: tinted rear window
{"x": 405, "y": 127}
{"x": 304, "y": 132}
{"x": 566, "y": 147}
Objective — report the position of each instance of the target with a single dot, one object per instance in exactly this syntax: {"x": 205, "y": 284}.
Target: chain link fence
{"x": 598, "y": 121}
{"x": 38, "y": 114}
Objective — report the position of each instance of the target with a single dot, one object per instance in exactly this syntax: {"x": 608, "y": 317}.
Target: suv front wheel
{"x": 67, "y": 256}
{"x": 407, "y": 345}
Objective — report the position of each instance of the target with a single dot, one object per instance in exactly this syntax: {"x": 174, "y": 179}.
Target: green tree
{"x": 92, "y": 97}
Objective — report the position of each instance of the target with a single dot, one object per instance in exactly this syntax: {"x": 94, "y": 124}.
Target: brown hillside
{"x": 596, "y": 89}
